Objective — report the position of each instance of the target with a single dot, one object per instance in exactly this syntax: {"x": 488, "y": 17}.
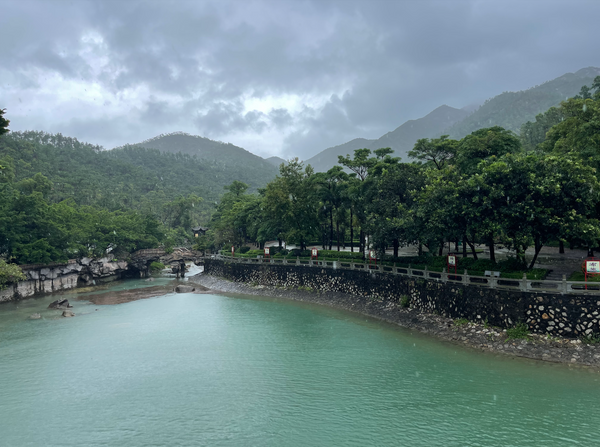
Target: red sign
{"x": 267, "y": 252}
{"x": 372, "y": 257}
{"x": 314, "y": 253}
{"x": 591, "y": 267}
{"x": 452, "y": 262}
{"x": 233, "y": 251}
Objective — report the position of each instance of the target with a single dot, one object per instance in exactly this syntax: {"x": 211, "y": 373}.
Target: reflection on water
{"x": 188, "y": 369}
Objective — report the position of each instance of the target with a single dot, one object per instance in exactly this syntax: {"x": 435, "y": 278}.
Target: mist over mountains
{"x": 509, "y": 110}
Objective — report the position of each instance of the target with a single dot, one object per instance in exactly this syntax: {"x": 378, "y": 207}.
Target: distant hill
{"x": 328, "y": 158}
{"x": 224, "y": 159}
{"x": 512, "y": 109}
{"x": 275, "y": 161}
{"x": 401, "y": 140}
{"x": 431, "y": 125}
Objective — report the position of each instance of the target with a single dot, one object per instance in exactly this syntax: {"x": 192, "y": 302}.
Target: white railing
{"x": 524, "y": 284}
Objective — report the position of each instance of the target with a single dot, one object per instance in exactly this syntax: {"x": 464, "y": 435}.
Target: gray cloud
{"x": 280, "y": 78}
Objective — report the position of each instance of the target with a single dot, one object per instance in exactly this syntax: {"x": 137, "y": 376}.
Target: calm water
{"x": 205, "y": 370}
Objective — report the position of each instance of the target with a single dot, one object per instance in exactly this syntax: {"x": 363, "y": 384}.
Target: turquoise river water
{"x": 223, "y": 370}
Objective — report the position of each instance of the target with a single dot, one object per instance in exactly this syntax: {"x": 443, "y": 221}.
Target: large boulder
{"x": 184, "y": 289}
{"x": 68, "y": 313}
{"x": 60, "y": 304}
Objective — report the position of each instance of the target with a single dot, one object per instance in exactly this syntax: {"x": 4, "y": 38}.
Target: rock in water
{"x": 184, "y": 289}
{"x": 68, "y": 313}
{"x": 59, "y": 304}
{"x": 35, "y": 316}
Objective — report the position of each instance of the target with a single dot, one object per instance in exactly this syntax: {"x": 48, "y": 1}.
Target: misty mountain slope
{"x": 224, "y": 157}
{"x": 275, "y": 161}
{"x": 401, "y": 140}
{"x": 328, "y": 158}
{"x": 512, "y": 109}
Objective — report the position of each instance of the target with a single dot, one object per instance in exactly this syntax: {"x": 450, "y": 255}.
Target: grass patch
{"x": 405, "y": 301}
{"x": 520, "y": 330}
{"x": 580, "y": 276}
{"x": 460, "y": 322}
{"x": 592, "y": 339}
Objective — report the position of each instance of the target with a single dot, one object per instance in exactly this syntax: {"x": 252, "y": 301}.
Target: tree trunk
{"x": 491, "y": 246}
{"x": 456, "y": 245}
{"x": 396, "y": 245}
{"x": 441, "y": 249}
{"x": 331, "y": 228}
{"x": 337, "y": 231}
{"x": 472, "y": 248}
{"x": 362, "y": 243}
{"x": 538, "y": 247}
{"x": 351, "y": 233}
{"x": 561, "y": 247}
{"x": 420, "y": 249}
{"x": 280, "y": 243}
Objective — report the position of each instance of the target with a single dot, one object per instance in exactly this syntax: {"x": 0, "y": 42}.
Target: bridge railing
{"x": 524, "y": 284}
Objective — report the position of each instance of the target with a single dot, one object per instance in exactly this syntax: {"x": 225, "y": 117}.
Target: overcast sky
{"x": 285, "y": 78}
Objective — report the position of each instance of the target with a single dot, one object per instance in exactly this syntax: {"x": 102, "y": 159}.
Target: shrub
{"x": 156, "y": 266}
{"x": 244, "y": 249}
{"x": 521, "y": 330}
{"x": 405, "y": 301}
{"x": 460, "y": 322}
{"x": 10, "y": 273}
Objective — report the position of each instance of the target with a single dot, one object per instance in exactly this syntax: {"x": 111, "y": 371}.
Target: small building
{"x": 199, "y": 231}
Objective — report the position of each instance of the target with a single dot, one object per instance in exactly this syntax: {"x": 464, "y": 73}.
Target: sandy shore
{"x": 476, "y": 336}
{"x": 125, "y": 296}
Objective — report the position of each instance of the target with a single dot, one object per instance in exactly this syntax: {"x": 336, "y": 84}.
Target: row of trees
{"x": 490, "y": 187}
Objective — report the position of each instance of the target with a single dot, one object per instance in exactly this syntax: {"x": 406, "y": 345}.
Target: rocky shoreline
{"x": 472, "y": 335}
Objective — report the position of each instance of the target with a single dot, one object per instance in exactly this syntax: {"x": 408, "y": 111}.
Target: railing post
{"x": 492, "y": 281}
{"x": 523, "y": 285}
{"x": 444, "y": 275}
{"x": 297, "y": 260}
{"x": 564, "y": 284}
{"x": 409, "y": 270}
{"x": 465, "y": 278}
{"x": 425, "y": 273}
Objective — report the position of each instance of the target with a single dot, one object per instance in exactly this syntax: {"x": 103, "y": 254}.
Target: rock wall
{"x": 47, "y": 279}
{"x": 544, "y": 313}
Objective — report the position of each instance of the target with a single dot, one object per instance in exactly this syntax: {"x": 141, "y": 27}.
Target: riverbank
{"x": 473, "y": 335}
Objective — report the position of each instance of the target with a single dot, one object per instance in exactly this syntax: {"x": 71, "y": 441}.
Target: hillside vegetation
{"x": 511, "y": 110}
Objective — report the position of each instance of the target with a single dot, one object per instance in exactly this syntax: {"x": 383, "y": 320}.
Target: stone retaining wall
{"x": 544, "y": 313}
{"x": 56, "y": 277}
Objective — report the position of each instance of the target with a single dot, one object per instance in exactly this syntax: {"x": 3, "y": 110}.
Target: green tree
{"x": 3, "y": 122}
{"x": 437, "y": 151}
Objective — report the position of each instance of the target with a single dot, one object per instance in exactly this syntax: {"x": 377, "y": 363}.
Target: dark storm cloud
{"x": 300, "y": 75}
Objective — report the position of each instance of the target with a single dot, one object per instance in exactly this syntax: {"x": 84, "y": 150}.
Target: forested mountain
{"x": 131, "y": 177}
{"x": 275, "y": 161}
{"x": 512, "y": 109}
{"x": 431, "y": 125}
{"x": 401, "y": 140}
{"x": 224, "y": 158}
{"x": 509, "y": 110}
{"x": 329, "y": 157}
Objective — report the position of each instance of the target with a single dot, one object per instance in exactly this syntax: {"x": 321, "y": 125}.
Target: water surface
{"x": 214, "y": 370}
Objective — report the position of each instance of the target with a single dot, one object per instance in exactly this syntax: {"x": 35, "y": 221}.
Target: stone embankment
{"x": 474, "y": 317}
{"x": 87, "y": 271}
